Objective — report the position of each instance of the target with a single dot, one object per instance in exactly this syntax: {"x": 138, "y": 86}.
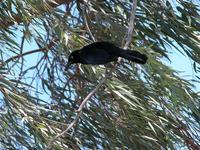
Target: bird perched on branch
{"x": 99, "y": 53}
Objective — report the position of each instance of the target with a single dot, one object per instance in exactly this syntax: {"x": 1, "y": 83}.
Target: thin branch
{"x": 131, "y": 25}
{"x": 86, "y": 22}
{"x": 50, "y": 144}
{"x": 30, "y": 52}
{"x": 24, "y": 54}
{"x": 80, "y": 109}
{"x": 94, "y": 91}
{"x": 22, "y": 60}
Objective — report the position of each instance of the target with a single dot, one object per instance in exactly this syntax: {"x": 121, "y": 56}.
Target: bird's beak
{"x": 68, "y": 65}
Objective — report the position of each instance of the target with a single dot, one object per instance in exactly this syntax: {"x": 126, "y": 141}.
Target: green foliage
{"x": 138, "y": 107}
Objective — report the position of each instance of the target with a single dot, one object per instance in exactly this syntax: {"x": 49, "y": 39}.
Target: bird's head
{"x": 73, "y": 58}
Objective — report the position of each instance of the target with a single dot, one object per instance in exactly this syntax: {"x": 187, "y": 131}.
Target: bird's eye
{"x": 72, "y": 57}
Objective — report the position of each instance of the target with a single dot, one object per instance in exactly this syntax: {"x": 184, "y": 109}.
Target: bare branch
{"x": 30, "y": 52}
{"x": 62, "y": 133}
{"x": 131, "y": 25}
{"x": 86, "y": 23}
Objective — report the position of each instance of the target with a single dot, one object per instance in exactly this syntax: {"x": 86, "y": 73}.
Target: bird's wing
{"x": 96, "y": 56}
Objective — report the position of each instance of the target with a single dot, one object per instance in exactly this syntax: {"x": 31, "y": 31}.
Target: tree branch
{"x": 86, "y": 23}
{"x": 80, "y": 109}
{"x": 131, "y": 25}
{"x": 31, "y": 52}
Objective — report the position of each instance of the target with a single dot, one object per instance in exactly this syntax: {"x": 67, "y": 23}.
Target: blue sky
{"x": 184, "y": 66}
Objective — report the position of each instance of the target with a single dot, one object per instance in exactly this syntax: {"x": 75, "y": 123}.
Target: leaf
{"x": 124, "y": 98}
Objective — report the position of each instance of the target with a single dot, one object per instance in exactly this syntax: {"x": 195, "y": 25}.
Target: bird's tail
{"x": 134, "y": 56}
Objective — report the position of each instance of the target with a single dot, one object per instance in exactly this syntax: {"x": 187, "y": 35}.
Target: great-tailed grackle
{"x": 103, "y": 52}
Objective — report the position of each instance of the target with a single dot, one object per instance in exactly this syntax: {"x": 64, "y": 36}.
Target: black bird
{"x": 103, "y": 52}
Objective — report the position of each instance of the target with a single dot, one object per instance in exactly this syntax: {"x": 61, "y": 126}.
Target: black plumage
{"x": 103, "y": 52}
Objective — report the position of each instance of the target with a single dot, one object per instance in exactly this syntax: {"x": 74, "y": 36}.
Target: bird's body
{"x": 104, "y": 52}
